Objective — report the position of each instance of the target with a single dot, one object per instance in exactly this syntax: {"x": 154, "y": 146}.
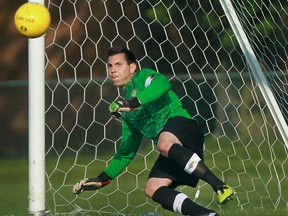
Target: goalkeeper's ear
{"x": 133, "y": 67}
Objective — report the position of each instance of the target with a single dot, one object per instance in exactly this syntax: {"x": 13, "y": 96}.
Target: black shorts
{"x": 191, "y": 136}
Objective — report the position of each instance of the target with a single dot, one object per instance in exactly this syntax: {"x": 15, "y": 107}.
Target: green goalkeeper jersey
{"x": 158, "y": 104}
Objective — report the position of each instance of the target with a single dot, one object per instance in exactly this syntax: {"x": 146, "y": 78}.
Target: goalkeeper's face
{"x": 119, "y": 71}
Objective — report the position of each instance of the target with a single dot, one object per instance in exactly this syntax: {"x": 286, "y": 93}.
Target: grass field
{"x": 256, "y": 188}
{"x": 14, "y": 186}
{"x": 14, "y": 201}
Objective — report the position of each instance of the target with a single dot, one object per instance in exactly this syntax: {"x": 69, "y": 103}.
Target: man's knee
{"x": 163, "y": 148}
{"x": 153, "y": 184}
{"x": 165, "y": 141}
{"x": 148, "y": 192}
{"x": 150, "y": 188}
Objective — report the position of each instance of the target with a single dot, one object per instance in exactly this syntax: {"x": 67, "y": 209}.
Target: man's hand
{"x": 116, "y": 107}
{"x": 92, "y": 183}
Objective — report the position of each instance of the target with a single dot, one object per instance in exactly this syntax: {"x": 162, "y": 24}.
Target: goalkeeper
{"x": 153, "y": 110}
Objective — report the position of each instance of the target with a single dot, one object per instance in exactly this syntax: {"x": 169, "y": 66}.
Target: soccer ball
{"x": 32, "y": 19}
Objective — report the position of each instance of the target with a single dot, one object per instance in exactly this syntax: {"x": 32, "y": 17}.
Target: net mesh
{"x": 192, "y": 43}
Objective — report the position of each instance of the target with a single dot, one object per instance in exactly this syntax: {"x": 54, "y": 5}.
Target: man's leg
{"x": 173, "y": 200}
{"x": 179, "y": 202}
{"x": 179, "y": 141}
{"x": 193, "y": 164}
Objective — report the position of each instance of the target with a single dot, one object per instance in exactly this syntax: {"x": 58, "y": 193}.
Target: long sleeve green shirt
{"x": 158, "y": 104}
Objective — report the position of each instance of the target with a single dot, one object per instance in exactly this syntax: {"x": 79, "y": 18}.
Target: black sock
{"x": 182, "y": 155}
{"x": 177, "y": 202}
{"x": 213, "y": 180}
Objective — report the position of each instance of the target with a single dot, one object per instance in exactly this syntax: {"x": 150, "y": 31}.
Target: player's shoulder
{"x": 147, "y": 71}
{"x": 144, "y": 73}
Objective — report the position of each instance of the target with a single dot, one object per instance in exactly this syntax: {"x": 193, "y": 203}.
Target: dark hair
{"x": 130, "y": 57}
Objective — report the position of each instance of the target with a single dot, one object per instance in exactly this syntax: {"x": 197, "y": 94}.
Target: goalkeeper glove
{"x": 92, "y": 183}
{"x": 116, "y": 107}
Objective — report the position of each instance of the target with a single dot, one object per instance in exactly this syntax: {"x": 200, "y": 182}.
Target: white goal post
{"x": 227, "y": 62}
{"x": 36, "y": 124}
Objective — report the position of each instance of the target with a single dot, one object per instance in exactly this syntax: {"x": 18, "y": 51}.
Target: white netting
{"x": 191, "y": 42}
{"x": 266, "y": 26}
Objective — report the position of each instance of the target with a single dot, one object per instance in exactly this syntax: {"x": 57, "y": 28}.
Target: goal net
{"x": 193, "y": 43}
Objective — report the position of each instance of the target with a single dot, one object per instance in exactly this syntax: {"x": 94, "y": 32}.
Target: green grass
{"x": 14, "y": 185}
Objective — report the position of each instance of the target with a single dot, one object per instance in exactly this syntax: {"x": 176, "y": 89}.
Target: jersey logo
{"x": 134, "y": 92}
